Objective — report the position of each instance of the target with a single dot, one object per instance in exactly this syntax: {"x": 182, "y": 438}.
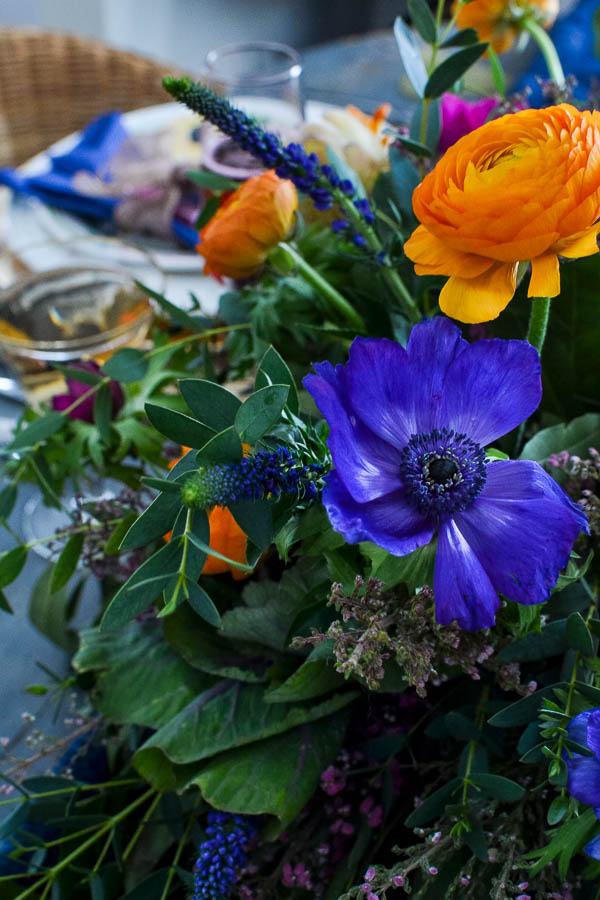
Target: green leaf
{"x": 11, "y": 563}
{"x": 260, "y": 412}
{"x": 103, "y": 412}
{"x": 461, "y": 727}
{"x": 178, "y": 427}
{"x": 151, "y": 888}
{"x": 433, "y": 127}
{"x": 255, "y": 519}
{"x": 51, "y": 613}
{"x": 126, "y": 365}
{"x": 498, "y": 76}
{"x": 209, "y": 551}
{"x": 461, "y": 38}
{"x": 578, "y": 635}
{"x": 410, "y": 56}
{"x": 129, "y": 603}
{"x": 222, "y": 448}
{"x": 557, "y": 810}
{"x": 273, "y": 369}
{"x": 208, "y": 211}
{"x": 5, "y": 605}
{"x": 276, "y": 776}
{"x": 422, "y": 19}
{"x": 576, "y": 437}
{"x": 113, "y": 544}
{"x": 195, "y": 324}
{"x": 451, "y": 69}
{"x": 212, "y": 404}
{"x": 405, "y": 178}
{"x": 202, "y": 604}
{"x": 66, "y": 563}
{"x": 434, "y": 805}
{"x": 162, "y": 484}
{"x": 574, "y": 571}
{"x": 414, "y": 146}
{"x": 524, "y": 710}
{"x": 498, "y": 787}
{"x": 38, "y": 430}
{"x": 566, "y": 841}
{"x": 76, "y": 374}
{"x": 538, "y": 645}
{"x": 311, "y": 679}
{"x": 155, "y": 521}
{"x": 415, "y": 569}
{"x": 8, "y": 498}
{"x": 212, "y": 181}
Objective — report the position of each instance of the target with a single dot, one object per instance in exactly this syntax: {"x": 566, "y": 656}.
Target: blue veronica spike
{"x": 221, "y": 855}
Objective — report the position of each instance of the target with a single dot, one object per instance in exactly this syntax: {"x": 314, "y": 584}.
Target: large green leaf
{"x": 415, "y": 569}
{"x": 311, "y": 679}
{"x": 228, "y": 715}
{"x": 576, "y": 437}
{"x": 276, "y": 776}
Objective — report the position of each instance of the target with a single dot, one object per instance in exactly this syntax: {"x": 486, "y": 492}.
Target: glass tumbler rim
{"x": 291, "y": 71}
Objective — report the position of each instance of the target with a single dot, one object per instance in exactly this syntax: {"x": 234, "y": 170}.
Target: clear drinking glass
{"x": 263, "y": 79}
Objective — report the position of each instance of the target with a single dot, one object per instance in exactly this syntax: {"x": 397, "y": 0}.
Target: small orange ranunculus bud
{"x": 247, "y": 225}
{"x": 498, "y": 21}
{"x": 522, "y": 187}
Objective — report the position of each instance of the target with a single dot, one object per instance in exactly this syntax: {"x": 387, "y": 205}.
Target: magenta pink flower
{"x": 459, "y": 117}
{"x": 76, "y": 389}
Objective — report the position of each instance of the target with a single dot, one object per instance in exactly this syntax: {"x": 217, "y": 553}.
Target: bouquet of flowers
{"x": 349, "y": 632}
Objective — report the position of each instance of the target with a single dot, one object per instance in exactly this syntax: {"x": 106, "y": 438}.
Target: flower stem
{"x": 338, "y": 302}
{"x": 538, "y": 322}
{"x": 548, "y": 50}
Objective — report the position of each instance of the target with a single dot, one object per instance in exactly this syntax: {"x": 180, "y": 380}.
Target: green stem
{"x": 202, "y": 335}
{"x": 538, "y": 322}
{"x": 338, "y": 302}
{"x": 126, "y": 782}
{"x": 146, "y": 818}
{"x": 544, "y": 42}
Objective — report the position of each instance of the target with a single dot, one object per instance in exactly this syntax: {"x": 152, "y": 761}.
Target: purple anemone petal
{"x": 368, "y": 466}
{"x": 397, "y": 392}
{"x": 583, "y": 781}
{"x": 578, "y": 727}
{"x": 491, "y": 388}
{"x": 593, "y": 848}
{"x": 521, "y": 528}
{"x": 390, "y": 522}
{"x": 593, "y": 732}
{"x": 462, "y": 588}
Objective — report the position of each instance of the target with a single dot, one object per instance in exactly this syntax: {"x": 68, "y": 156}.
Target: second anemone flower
{"x": 522, "y": 187}
{"x": 407, "y": 432}
{"x": 248, "y": 224}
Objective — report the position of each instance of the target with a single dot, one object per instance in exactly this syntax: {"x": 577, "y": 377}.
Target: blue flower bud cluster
{"x": 264, "y": 474}
{"x": 222, "y": 855}
{"x": 292, "y": 161}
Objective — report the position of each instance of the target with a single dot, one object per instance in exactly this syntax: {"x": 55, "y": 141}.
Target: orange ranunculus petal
{"x": 226, "y": 537}
{"x": 432, "y": 256}
{"x": 545, "y": 277}
{"x": 585, "y": 244}
{"x": 482, "y": 298}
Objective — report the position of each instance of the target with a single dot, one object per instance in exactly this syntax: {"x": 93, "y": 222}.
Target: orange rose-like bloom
{"x": 248, "y": 224}
{"x": 497, "y": 21}
{"x": 523, "y": 187}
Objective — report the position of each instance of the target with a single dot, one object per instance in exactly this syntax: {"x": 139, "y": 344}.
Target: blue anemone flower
{"x": 407, "y": 431}
{"x": 583, "y": 779}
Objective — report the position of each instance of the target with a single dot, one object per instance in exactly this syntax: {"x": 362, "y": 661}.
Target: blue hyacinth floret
{"x": 221, "y": 855}
{"x": 321, "y": 182}
{"x": 264, "y": 474}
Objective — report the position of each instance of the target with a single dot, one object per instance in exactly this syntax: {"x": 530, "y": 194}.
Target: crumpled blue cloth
{"x": 100, "y": 140}
{"x": 573, "y": 37}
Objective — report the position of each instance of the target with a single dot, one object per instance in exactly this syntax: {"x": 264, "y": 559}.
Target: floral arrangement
{"x": 348, "y": 644}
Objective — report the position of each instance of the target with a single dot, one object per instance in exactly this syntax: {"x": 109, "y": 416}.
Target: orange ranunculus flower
{"x": 226, "y": 537}
{"x": 523, "y": 187}
{"x": 498, "y": 21}
{"x": 248, "y": 224}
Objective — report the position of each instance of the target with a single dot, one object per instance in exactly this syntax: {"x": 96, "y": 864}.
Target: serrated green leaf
{"x": 498, "y": 787}
{"x": 126, "y": 365}
{"x": 273, "y": 369}
{"x": 178, "y": 427}
{"x": 66, "y": 563}
{"x": 211, "y": 403}
{"x": 451, "y": 69}
{"x": 411, "y": 56}
{"x": 422, "y": 19}
{"x": 38, "y": 430}
{"x": 259, "y": 413}
{"x": 578, "y": 635}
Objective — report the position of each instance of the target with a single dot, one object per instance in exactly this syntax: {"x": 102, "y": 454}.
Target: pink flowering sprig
{"x": 582, "y": 484}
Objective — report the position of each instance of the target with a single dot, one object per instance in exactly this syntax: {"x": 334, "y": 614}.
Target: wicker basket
{"x": 52, "y": 84}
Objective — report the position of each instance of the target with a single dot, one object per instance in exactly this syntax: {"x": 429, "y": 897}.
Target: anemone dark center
{"x": 443, "y": 472}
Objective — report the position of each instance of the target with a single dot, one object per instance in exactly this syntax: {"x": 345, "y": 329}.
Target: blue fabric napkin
{"x": 100, "y": 140}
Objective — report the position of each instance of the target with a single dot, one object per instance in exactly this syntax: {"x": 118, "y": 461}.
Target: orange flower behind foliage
{"x": 226, "y": 537}
{"x": 522, "y": 187}
{"x": 497, "y": 21}
{"x": 248, "y": 224}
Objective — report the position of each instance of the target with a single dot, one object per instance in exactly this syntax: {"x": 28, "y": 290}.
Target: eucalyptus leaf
{"x": 451, "y": 69}
{"x": 428, "y": 110}
{"x": 208, "y": 211}
{"x": 38, "y": 430}
{"x": 66, "y": 563}
{"x": 8, "y": 498}
{"x": 103, "y": 412}
{"x": 423, "y": 20}
{"x": 410, "y": 56}
{"x": 128, "y": 603}
{"x": 212, "y": 181}
{"x": 11, "y": 564}
{"x": 524, "y": 710}
{"x": 255, "y": 519}
{"x": 273, "y": 369}
{"x": 153, "y": 523}
{"x": 126, "y": 365}
{"x": 414, "y": 146}
{"x": 498, "y": 787}
{"x": 178, "y": 427}
{"x": 461, "y": 38}
{"x": 433, "y": 805}
{"x": 578, "y": 635}
{"x": 202, "y": 604}
{"x": 538, "y": 645}
{"x": 222, "y": 448}
{"x": 259, "y": 413}
{"x": 211, "y": 403}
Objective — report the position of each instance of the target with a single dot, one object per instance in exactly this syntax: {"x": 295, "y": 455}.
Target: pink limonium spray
{"x": 460, "y": 116}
